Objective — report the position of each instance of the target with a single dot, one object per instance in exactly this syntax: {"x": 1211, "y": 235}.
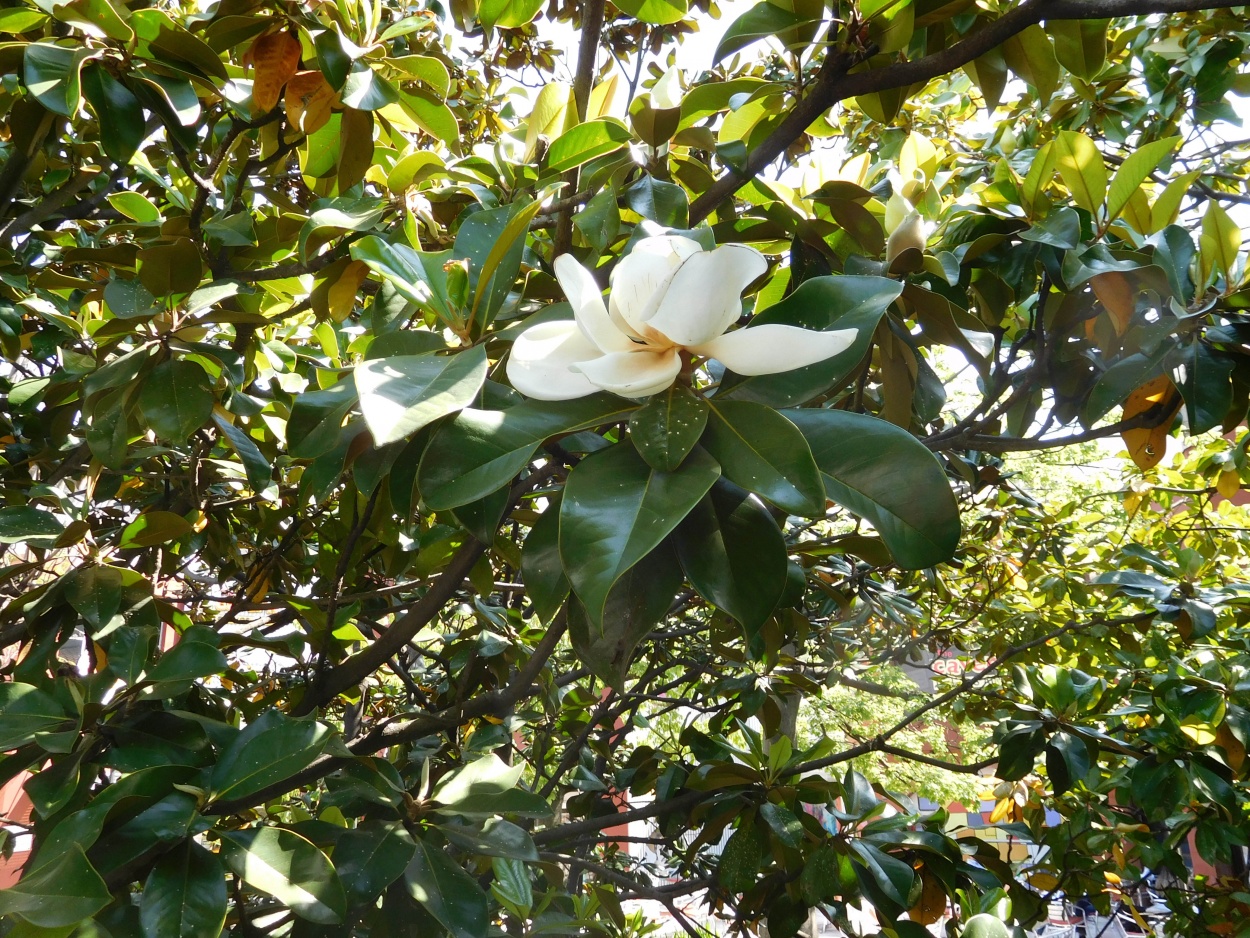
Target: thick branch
{"x": 587, "y": 56}
{"x": 836, "y": 83}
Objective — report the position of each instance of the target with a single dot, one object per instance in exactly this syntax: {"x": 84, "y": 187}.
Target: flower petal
{"x": 772, "y": 349}
{"x": 540, "y": 365}
{"x": 633, "y": 374}
{"x": 588, "y": 306}
{"x": 705, "y": 295}
{"x": 639, "y": 280}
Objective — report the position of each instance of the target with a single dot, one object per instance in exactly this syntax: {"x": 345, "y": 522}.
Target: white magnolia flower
{"x": 668, "y": 296}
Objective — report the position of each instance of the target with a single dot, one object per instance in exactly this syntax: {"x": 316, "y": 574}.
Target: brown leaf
{"x": 355, "y": 147}
{"x": 1116, "y": 294}
{"x": 276, "y": 58}
{"x": 1146, "y": 445}
{"x": 341, "y": 297}
{"x": 309, "y": 98}
{"x": 931, "y": 905}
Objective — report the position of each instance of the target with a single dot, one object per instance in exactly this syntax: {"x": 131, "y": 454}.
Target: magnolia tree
{"x": 449, "y": 453}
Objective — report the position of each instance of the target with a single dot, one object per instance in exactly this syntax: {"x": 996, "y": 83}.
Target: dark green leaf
{"x": 51, "y": 75}
{"x": 29, "y": 525}
{"x": 176, "y": 399}
{"x": 61, "y": 893}
{"x": 763, "y": 452}
{"x": 482, "y": 450}
{"x": 370, "y": 858}
{"x": 117, "y": 111}
{"x": 635, "y": 605}
{"x": 887, "y": 477}
{"x": 740, "y": 860}
{"x": 734, "y": 555}
{"x": 545, "y": 582}
{"x": 184, "y": 895}
{"x": 616, "y": 509}
{"x": 665, "y": 429}
{"x": 272, "y": 747}
{"x": 892, "y": 876}
{"x": 448, "y": 893}
{"x": 284, "y": 865}
{"x": 400, "y": 395}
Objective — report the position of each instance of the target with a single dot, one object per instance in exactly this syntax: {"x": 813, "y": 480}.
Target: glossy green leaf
{"x": 507, "y": 14}
{"x": 636, "y": 604}
{"x": 255, "y": 465}
{"x": 58, "y": 894}
{"x": 26, "y": 524}
{"x": 1143, "y": 161}
{"x": 135, "y": 206}
{"x": 759, "y": 22}
{"x": 446, "y": 891}
{"x": 616, "y": 509}
{"x": 545, "y": 582}
{"x": 51, "y": 74}
{"x": 1030, "y": 54}
{"x": 400, "y": 395}
{"x": 1080, "y": 45}
{"x": 184, "y": 895}
{"x": 888, "y": 477}
{"x": 154, "y": 527}
{"x": 129, "y": 299}
{"x": 764, "y": 453}
{"x": 493, "y": 241}
{"x": 486, "y": 787}
{"x": 317, "y": 418}
{"x": 416, "y": 276}
{"x": 733, "y": 553}
{"x": 371, "y": 857}
{"x": 284, "y": 865}
{"x": 892, "y": 876}
{"x": 117, "y": 111}
{"x": 740, "y": 860}
{"x": 584, "y": 142}
{"x": 656, "y": 12}
{"x": 482, "y": 450}
{"x": 176, "y": 399}
{"x": 665, "y": 203}
{"x": 271, "y": 747}
{"x": 195, "y": 655}
{"x": 26, "y": 711}
{"x": 665, "y": 429}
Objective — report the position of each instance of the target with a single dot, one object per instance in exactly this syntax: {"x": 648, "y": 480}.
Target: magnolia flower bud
{"x": 910, "y": 233}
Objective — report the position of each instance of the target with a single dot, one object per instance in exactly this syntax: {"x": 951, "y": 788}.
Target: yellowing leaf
{"x": 918, "y": 157}
{"x": 1083, "y": 170}
{"x": 1146, "y": 445}
{"x": 554, "y": 113}
{"x": 1135, "y": 170}
{"x": 931, "y": 905}
{"x": 341, "y": 297}
{"x": 275, "y": 57}
{"x": 1116, "y": 294}
{"x": 309, "y": 98}
{"x": 1043, "y": 881}
{"x": 1168, "y": 205}
{"x": 1001, "y": 809}
{"x": 1219, "y": 242}
{"x": 1229, "y": 483}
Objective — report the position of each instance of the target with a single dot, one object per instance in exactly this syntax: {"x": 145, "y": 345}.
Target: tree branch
{"x": 836, "y": 83}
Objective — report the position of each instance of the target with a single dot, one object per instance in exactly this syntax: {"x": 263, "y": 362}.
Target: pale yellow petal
{"x": 639, "y": 280}
{"x": 633, "y": 374}
{"x": 705, "y": 295}
{"x": 588, "y": 307}
{"x": 542, "y": 359}
{"x": 771, "y": 349}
